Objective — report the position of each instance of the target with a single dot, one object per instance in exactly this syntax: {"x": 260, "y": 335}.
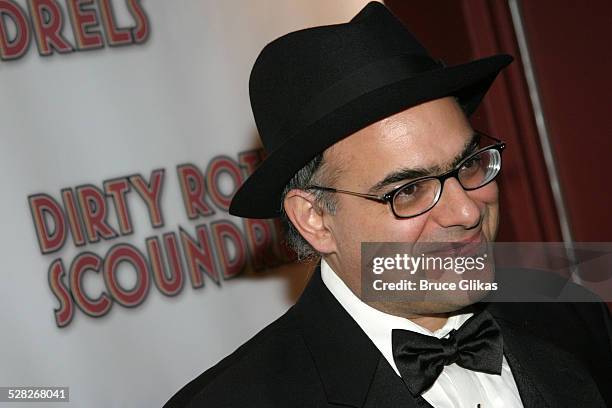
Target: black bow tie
{"x": 420, "y": 359}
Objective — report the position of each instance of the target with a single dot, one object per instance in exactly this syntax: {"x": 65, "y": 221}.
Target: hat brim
{"x": 260, "y": 195}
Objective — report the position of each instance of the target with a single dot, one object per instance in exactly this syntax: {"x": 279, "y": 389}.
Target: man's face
{"x": 432, "y": 135}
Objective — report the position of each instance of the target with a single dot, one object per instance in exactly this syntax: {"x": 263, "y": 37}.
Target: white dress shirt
{"x": 456, "y": 386}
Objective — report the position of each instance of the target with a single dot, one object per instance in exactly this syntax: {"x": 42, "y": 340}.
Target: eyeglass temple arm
{"x": 374, "y": 197}
{"x": 490, "y": 137}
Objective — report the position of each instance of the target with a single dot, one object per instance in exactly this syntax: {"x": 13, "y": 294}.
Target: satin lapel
{"x": 388, "y": 390}
{"x": 345, "y": 357}
{"x": 530, "y": 394}
{"x": 546, "y": 375}
{"x": 353, "y": 371}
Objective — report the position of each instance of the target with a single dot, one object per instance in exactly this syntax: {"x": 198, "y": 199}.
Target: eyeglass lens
{"x": 416, "y": 198}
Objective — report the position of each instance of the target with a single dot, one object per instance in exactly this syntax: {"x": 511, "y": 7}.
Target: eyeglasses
{"x": 421, "y": 195}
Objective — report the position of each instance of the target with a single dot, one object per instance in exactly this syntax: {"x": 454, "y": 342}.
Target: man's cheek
{"x": 491, "y": 192}
{"x": 487, "y": 195}
{"x": 410, "y": 229}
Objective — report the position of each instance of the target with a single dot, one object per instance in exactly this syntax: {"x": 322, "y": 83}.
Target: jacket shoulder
{"x": 270, "y": 369}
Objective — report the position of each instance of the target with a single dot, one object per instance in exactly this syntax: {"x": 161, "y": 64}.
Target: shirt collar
{"x": 378, "y": 325}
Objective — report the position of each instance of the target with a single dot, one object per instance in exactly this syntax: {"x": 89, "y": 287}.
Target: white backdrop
{"x": 89, "y": 116}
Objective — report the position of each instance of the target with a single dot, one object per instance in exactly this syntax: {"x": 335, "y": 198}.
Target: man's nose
{"x": 456, "y": 207}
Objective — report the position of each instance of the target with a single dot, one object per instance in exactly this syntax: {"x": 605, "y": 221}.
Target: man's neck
{"x": 429, "y": 321}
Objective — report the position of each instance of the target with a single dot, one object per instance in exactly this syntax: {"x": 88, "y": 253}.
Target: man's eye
{"x": 472, "y": 163}
{"x": 410, "y": 193}
{"x": 409, "y": 190}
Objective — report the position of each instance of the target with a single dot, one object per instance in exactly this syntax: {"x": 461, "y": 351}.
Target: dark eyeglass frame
{"x": 389, "y": 197}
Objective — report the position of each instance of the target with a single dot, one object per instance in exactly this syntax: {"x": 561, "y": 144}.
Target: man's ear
{"x": 309, "y": 220}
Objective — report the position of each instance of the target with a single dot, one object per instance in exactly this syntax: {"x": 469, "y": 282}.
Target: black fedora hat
{"x": 313, "y": 87}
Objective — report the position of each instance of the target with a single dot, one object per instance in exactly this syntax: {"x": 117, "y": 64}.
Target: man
{"x": 350, "y": 116}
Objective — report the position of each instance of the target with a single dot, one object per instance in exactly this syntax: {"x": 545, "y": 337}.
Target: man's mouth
{"x": 469, "y": 246}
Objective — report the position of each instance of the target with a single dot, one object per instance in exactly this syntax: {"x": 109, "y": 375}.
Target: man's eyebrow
{"x": 412, "y": 173}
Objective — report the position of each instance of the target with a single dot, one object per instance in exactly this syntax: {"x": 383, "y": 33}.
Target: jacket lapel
{"x": 388, "y": 390}
{"x": 352, "y": 369}
{"x": 528, "y": 389}
{"x": 546, "y": 375}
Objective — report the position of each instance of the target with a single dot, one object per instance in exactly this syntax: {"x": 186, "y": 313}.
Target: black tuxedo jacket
{"x": 316, "y": 355}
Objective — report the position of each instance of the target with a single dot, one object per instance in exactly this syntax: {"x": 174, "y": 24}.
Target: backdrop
{"x": 126, "y": 127}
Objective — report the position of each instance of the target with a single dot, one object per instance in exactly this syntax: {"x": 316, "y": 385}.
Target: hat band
{"x": 360, "y": 82}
